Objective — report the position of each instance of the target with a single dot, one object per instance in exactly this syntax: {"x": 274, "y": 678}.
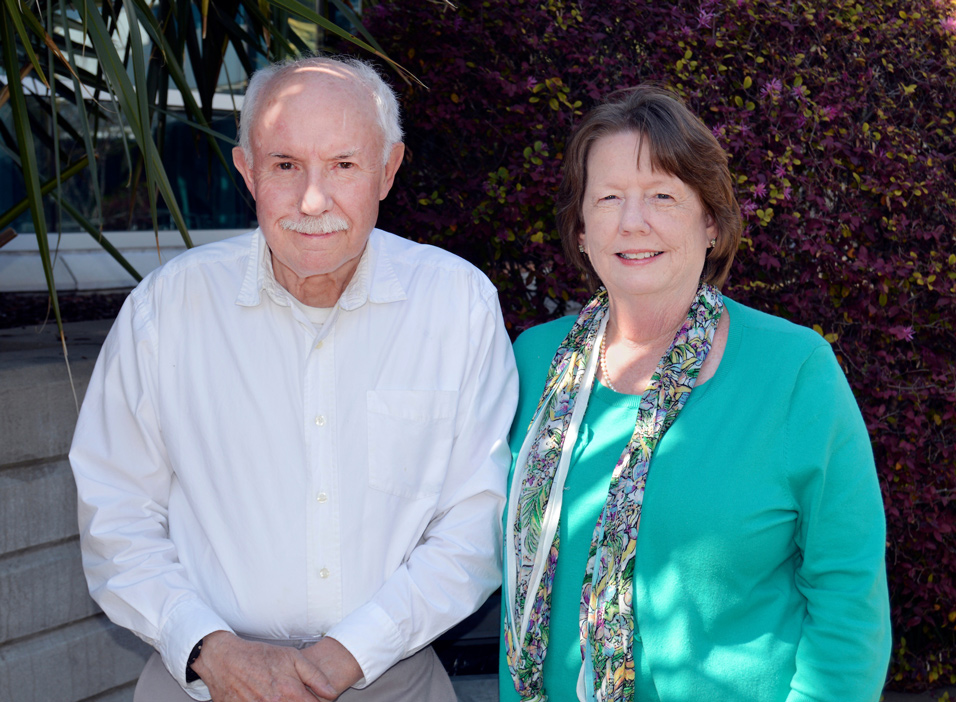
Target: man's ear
{"x": 391, "y": 168}
{"x": 245, "y": 169}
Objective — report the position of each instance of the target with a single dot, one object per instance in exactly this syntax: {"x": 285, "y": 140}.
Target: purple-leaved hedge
{"x": 839, "y": 119}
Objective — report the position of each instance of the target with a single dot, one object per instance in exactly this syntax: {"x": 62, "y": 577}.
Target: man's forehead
{"x": 298, "y": 120}
{"x": 320, "y": 91}
{"x": 329, "y": 81}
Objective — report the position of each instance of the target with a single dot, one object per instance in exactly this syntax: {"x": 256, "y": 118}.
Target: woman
{"x": 701, "y": 467}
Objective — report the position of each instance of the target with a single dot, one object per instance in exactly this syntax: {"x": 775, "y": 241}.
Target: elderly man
{"x": 290, "y": 460}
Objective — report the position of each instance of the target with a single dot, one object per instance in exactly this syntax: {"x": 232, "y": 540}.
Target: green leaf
{"x": 15, "y": 14}
{"x": 176, "y": 72}
{"x": 296, "y": 8}
{"x": 94, "y": 232}
{"x": 28, "y": 160}
{"x": 47, "y": 187}
{"x": 85, "y": 130}
{"x": 134, "y": 108}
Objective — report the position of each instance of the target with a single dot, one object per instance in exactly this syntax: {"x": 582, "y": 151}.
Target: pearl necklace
{"x": 602, "y": 357}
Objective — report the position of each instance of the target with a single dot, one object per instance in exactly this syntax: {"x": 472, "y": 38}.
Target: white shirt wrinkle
{"x": 239, "y": 470}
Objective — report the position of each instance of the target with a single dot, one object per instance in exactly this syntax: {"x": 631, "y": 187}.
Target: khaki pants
{"x": 418, "y": 678}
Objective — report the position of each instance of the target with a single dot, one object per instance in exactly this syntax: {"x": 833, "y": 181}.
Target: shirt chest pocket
{"x": 410, "y": 438}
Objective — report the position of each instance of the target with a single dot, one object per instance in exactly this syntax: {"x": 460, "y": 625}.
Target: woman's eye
{"x": 608, "y": 197}
{"x": 663, "y": 196}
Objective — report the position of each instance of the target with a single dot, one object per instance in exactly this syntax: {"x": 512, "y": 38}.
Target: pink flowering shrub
{"x": 839, "y": 119}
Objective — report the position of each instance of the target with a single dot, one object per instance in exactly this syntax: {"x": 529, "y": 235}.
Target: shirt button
{"x": 320, "y": 421}
{"x": 322, "y": 497}
{"x": 318, "y": 346}
{"x": 324, "y": 573}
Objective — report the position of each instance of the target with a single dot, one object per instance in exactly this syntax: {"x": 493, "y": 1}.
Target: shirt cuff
{"x": 184, "y": 627}
{"x": 372, "y": 638}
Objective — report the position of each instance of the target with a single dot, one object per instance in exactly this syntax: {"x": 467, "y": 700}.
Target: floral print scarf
{"x": 532, "y": 543}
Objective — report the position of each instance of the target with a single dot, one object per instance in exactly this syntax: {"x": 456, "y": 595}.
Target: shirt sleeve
{"x": 457, "y": 563}
{"x": 844, "y": 648}
{"x": 123, "y": 480}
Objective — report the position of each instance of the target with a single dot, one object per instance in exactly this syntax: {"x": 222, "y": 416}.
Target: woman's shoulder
{"x": 774, "y": 332}
{"x": 770, "y": 347}
{"x": 534, "y": 350}
{"x": 543, "y": 339}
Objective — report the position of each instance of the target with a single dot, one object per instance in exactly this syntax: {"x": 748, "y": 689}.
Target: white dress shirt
{"x": 241, "y": 468}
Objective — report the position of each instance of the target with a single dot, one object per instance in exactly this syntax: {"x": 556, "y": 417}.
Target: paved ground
{"x": 476, "y": 688}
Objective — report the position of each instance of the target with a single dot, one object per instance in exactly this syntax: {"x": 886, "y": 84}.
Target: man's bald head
{"x": 361, "y": 74}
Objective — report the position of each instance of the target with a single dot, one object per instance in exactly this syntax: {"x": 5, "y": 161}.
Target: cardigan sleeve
{"x": 845, "y": 643}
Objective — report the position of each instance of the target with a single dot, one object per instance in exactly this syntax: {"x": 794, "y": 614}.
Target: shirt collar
{"x": 374, "y": 279}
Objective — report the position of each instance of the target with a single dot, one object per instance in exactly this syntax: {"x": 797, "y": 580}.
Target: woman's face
{"x": 645, "y": 232}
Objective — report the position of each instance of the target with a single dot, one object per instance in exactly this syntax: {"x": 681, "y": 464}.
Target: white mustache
{"x": 322, "y": 224}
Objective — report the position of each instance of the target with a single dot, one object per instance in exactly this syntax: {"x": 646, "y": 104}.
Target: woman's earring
{"x": 713, "y": 242}
{"x": 581, "y": 248}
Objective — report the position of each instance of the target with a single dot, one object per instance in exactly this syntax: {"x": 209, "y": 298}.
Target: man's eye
{"x": 285, "y": 166}
{"x": 345, "y": 165}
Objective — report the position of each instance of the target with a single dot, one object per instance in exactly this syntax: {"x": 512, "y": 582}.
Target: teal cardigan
{"x": 760, "y": 572}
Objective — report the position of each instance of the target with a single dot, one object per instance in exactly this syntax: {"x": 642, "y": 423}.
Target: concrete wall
{"x": 82, "y": 264}
{"x": 55, "y": 645}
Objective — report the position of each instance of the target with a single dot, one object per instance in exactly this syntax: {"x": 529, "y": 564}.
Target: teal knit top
{"x": 759, "y": 573}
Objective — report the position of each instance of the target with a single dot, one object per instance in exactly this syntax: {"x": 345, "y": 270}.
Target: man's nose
{"x": 316, "y": 197}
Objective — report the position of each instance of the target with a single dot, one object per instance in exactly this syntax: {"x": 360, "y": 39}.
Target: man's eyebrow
{"x": 345, "y": 155}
